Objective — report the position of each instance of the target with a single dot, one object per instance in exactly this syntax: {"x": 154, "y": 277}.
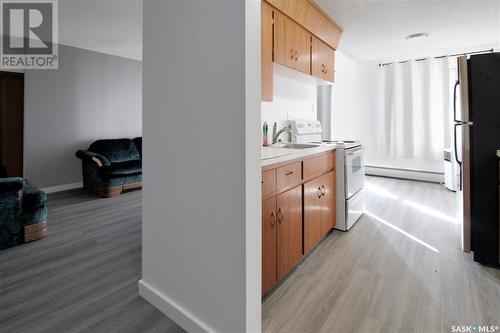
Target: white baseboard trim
{"x": 65, "y": 187}
{"x": 170, "y": 308}
{"x": 426, "y": 176}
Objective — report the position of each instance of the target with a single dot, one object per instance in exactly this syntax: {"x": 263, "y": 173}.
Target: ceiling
{"x": 107, "y": 26}
{"x": 376, "y": 30}
{"x": 373, "y": 30}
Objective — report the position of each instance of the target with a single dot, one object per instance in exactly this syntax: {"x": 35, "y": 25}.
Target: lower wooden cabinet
{"x": 319, "y": 209}
{"x": 298, "y": 214}
{"x": 289, "y": 215}
{"x": 269, "y": 243}
{"x": 281, "y": 235}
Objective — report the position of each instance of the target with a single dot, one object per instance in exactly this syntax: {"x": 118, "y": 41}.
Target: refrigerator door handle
{"x": 456, "y": 154}
{"x": 455, "y": 142}
{"x": 457, "y": 83}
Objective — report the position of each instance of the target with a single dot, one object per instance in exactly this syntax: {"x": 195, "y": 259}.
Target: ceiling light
{"x": 419, "y": 35}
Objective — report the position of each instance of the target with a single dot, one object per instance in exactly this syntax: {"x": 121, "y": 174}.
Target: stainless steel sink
{"x": 294, "y": 145}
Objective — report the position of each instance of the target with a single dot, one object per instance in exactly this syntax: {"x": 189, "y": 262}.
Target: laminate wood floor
{"x": 399, "y": 269}
{"x": 83, "y": 276}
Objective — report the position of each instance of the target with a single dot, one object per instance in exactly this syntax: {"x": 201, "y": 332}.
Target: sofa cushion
{"x": 138, "y": 144}
{"x": 33, "y": 197}
{"x": 121, "y": 168}
{"x": 116, "y": 150}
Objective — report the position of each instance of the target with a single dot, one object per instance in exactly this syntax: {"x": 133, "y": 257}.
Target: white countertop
{"x": 272, "y": 155}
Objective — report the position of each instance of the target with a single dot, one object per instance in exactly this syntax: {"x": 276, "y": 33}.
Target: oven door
{"x": 354, "y": 170}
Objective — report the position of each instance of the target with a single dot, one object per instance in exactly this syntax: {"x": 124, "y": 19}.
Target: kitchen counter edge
{"x": 295, "y": 155}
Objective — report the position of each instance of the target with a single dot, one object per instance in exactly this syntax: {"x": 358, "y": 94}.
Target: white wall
{"x": 201, "y": 197}
{"x": 293, "y": 98}
{"x": 91, "y": 96}
{"x": 356, "y": 94}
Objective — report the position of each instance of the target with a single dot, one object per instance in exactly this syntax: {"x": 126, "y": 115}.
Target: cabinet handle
{"x": 296, "y": 55}
{"x": 291, "y": 54}
{"x": 262, "y": 182}
{"x": 323, "y": 190}
{"x": 320, "y": 192}
{"x": 289, "y": 173}
{"x": 273, "y": 221}
{"x": 280, "y": 212}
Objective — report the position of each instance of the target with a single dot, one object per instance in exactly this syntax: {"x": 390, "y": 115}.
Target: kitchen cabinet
{"x": 319, "y": 209}
{"x": 289, "y": 216}
{"x": 288, "y": 176}
{"x": 281, "y": 235}
{"x": 268, "y": 182}
{"x": 267, "y": 52}
{"x": 322, "y": 60}
{"x": 298, "y": 209}
{"x": 291, "y": 44}
{"x": 299, "y": 35}
{"x": 269, "y": 243}
{"x": 329, "y": 201}
{"x": 309, "y": 15}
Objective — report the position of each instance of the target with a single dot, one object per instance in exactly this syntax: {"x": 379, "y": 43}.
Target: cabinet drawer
{"x": 319, "y": 165}
{"x": 268, "y": 182}
{"x": 289, "y": 176}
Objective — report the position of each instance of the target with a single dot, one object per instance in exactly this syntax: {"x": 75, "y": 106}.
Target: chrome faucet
{"x": 277, "y": 134}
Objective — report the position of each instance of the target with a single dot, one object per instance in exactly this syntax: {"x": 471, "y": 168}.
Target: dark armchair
{"x": 23, "y": 211}
{"x": 111, "y": 166}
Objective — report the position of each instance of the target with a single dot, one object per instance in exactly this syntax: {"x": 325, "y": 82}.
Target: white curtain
{"x": 416, "y": 110}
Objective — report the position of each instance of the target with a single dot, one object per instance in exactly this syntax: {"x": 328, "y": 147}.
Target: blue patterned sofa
{"x": 111, "y": 166}
{"x": 23, "y": 211}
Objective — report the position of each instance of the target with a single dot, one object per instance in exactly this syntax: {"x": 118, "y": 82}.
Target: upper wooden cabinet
{"x": 299, "y": 35}
{"x": 267, "y": 51}
{"x": 291, "y": 44}
{"x": 311, "y": 17}
{"x": 322, "y": 60}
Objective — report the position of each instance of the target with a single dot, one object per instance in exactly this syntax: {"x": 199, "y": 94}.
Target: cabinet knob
{"x": 296, "y": 55}
{"x": 273, "y": 220}
{"x": 291, "y": 54}
{"x": 320, "y": 193}
{"x": 281, "y": 216}
{"x": 323, "y": 190}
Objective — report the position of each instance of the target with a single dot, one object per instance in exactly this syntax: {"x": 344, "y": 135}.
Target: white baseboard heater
{"x": 405, "y": 173}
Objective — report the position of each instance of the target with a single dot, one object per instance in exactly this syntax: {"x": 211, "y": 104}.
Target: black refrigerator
{"x": 477, "y": 140}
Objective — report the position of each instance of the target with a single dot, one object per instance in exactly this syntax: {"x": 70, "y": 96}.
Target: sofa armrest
{"x": 92, "y": 157}
{"x": 11, "y": 184}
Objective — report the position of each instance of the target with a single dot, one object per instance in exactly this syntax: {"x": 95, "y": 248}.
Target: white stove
{"x": 350, "y": 170}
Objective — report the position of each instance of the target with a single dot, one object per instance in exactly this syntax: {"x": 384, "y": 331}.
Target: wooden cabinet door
{"x": 313, "y": 213}
{"x": 267, "y": 51}
{"x": 322, "y": 60}
{"x": 269, "y": 244}
{"x": 319, "y": 209}
{"x": 289, "y": 216}
{"x": 329, "y": 201}
{"x": 291, "y": 44}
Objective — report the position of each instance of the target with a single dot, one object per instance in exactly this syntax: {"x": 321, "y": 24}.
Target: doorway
{"x": 12, "y": 122}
